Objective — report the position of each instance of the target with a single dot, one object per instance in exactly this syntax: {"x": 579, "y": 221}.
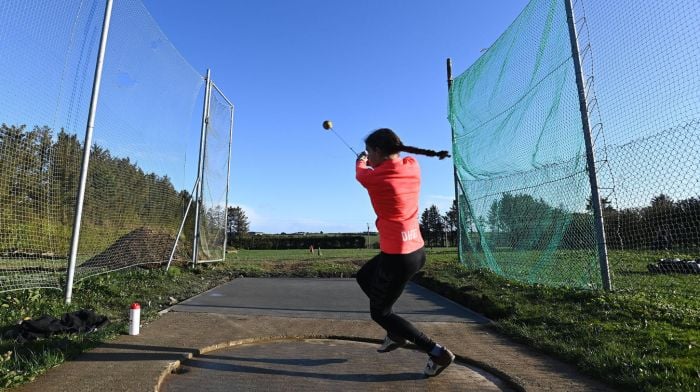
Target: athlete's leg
{"x": 365, "y": 276}
{"x": 391, "y": 276}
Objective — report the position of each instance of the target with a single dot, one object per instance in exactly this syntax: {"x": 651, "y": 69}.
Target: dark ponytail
{"x": 431, "y": 153}
{"x": 386, "y": 141}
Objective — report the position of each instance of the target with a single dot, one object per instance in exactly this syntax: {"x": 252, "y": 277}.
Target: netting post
{"x": 200, "y": 167}
{"x": 454, "y": 164}
{"x": 590, "y": 157}
{"x": 228, "y": 180}
{"x": 182, "y": 225}
{"x": 87, "y": 144}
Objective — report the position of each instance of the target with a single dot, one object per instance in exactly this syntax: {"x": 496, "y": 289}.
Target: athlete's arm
{"x": 363, "y": 172}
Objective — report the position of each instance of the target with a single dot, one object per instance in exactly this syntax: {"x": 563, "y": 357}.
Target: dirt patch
{"x": 144, "y": 246}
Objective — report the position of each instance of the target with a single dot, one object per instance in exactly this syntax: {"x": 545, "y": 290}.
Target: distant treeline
{"x": 268, "y": 241}
{"x": 39, "y": 177}
{"x": 521, "y": 221}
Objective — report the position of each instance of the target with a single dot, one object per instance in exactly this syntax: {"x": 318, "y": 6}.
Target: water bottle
{"x": 134, "y": 318}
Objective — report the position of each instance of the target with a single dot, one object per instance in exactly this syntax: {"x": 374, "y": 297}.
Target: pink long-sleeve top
{"x": 394, "y": 188}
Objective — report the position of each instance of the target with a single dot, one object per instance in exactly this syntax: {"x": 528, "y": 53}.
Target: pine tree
{"x": 451, "y": 219}
{"x": 237, "y": 223}
{"x": 433, "y": 226}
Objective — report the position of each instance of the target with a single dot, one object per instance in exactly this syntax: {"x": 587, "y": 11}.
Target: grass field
{"x": 300, "y": 255}
{"x": 575, "y": 268}
{"x": 642, "y": 338}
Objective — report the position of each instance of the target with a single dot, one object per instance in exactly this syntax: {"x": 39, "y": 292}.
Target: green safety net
{"x": 522, "y": 175}
{"x": 520, "y": 156}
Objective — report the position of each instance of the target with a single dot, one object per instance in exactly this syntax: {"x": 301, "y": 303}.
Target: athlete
{"x": 393, "y": 184}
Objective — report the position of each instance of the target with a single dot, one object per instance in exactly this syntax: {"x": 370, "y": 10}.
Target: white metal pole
{"x": 182, "y": 225}
{"x": 200, "y": 166}
{"x": 590, "y": 156}
{"x": 87, "y": 144}
{"x": 454, "y": 168}
{"x": 228, "y": 180}
{"x": 201, "y": 205}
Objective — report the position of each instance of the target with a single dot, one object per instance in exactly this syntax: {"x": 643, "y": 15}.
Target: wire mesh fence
{"x": 644, "y": 77}
{"x": 523, "y": 188}
{"x": 144, "y": 154}
{"x": 47, "y": 57}
{"x": 212, "y": 225}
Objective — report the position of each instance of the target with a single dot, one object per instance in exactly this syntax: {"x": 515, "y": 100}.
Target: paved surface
{"x": 297, "y": 334}
{"x": 322, "y": 299}
{"x": 322, "y": 365}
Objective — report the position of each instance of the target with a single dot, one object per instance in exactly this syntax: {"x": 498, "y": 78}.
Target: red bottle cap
{"x": 135, "y": 305}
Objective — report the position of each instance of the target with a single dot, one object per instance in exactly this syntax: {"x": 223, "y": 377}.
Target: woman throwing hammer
{"x": 393, "y": 184}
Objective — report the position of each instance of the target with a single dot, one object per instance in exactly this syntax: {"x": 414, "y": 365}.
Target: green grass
{"x": 108, "y": 295}
{"x": 646, "y": 339}
{"x": 636, "y": 339}
{"x": 299, "y": 255}
{"x": 111, "y": 294}
{"x": 628, "y": 268}
{"x": 298, "y": 263}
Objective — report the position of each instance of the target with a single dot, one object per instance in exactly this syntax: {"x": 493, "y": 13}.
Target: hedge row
{"x": 300, "y": 242}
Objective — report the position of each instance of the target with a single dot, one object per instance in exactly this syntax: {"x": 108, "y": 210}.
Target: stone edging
{"x": 174, "y": 366}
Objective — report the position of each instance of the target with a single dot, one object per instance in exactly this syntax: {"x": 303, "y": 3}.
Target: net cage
{"x": 522, "y": 177}
{"x": 144, "y": 151}
{"x": 47, "y": 61}
{"x": 142, "y": 157}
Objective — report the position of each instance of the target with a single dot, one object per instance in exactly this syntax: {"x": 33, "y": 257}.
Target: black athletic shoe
{"x": 390, "y": 345}
{"x": 436, "y": 364}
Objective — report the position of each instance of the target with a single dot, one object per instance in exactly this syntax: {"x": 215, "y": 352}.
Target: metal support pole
{"x": 87, "y": 145}
{"x": 201, "y": 204}
{"x": 182, "y": 225}
{"x": 200, "y": 166}
{"x": 368, "y": 246}
{"x": 228, "y": 180}
{"x": 454, "y": 165}
{"x": 590, "y": 156}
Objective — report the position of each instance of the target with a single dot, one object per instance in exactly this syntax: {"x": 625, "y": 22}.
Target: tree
{"x": 39, "y": 179}
{"x": 237, "y": 223}
{"x": 611, "y": 222}
{"x": 433, "y": 226}
{"x": 688, "y": 223}
{"x": 605, "y": 204}
{"x": 65, "y": 171}
{"x": 451, "y": 220}
{"x": 493, "y": 221}
{"x": 496, "y": 225}
{"x": 524, "y": 221}
{"x": 660, "y": 222}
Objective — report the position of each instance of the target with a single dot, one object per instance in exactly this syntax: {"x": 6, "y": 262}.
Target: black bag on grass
{"x": 81, "y": 321}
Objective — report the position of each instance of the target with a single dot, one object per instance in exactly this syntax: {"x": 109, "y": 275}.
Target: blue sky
{"x": 289, "y": 65}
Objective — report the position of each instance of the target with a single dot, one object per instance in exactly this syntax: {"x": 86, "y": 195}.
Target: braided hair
{"x": 386, "y": 141}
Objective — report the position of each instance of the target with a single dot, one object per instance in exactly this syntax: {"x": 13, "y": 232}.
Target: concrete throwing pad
{"x": 321, "y": 365}
{"x": 321, "y": 299}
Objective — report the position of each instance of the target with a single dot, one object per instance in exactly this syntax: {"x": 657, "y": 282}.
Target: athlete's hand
{"x": 362, "y": 156}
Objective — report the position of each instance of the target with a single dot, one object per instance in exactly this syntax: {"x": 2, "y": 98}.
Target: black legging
{"x": 383, "y": 279}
